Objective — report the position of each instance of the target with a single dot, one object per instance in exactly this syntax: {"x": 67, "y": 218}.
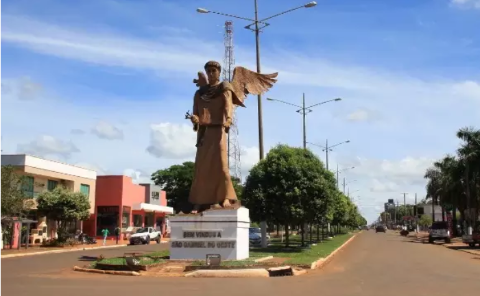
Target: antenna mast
{"x": 234, "y": 149}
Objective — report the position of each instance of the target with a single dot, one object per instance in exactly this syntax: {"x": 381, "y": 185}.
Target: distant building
{"x": 426, "y": 209}
{"x": 42, "y": 175}
{"x": 121, "y": 203}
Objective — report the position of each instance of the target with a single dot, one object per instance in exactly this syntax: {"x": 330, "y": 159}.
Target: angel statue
{"x": 212, "y": 114}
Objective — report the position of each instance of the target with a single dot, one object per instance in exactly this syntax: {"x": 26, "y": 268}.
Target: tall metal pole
{"x": 263, "y": 224}
{"x": 260, "y": 116}
{"x": 344, "y": 185}
{"x": 326, "y": 153}
{"x": 304, "y": 124}
{"x": 337, "y": 176}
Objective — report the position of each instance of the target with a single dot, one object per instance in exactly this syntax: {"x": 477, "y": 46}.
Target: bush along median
{"x": 276, "y": 259}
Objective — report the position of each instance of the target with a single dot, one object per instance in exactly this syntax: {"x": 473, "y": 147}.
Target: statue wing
{"x": 246, "y": 82}
{"x": 202, "y": 79}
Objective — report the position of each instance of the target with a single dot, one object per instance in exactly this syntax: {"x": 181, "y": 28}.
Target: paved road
{"x": 373, "y": 264}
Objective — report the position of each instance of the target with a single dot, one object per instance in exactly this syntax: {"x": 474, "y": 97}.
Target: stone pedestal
{"x": 224, "y": 232}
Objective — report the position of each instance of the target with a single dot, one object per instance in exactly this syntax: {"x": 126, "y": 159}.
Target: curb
{"x": 263, "y": 259}
{"x": 61, "y": 251}
{"x": 323, "y": 261}
{"x": 130, "y": 273}
{"x": 233, "y": 273}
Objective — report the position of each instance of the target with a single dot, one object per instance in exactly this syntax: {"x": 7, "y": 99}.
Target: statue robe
{"x": 212, "y": 183}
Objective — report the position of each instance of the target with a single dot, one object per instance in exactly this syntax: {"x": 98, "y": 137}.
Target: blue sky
{"x": 95, "y": 83}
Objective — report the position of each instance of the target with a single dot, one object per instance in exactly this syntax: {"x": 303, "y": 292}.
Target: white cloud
{"x": 23, "y": 89}
{"x": 174, "y": 141}
{"x": 362, "y": 115}
{"x": 248, "y": 158}
{"x": 467, "y": 3}
{"x": 388, "y": 186}
{"x": 48, "y": 146}
{"x": 77, "y": 131}
{"x": 138, "y": 176}
{"x": 105, "y": 130}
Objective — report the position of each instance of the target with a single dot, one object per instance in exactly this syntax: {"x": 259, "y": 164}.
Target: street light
{"x": 327, "y": 148}
{"x": 256, "y": 22}
{"x": 340, "y": 171}
{"x": 304, "y": 111}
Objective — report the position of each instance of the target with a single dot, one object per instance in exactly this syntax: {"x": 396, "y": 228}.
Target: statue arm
{"x": 195, "y": 119}
{"x": 228, "y": 108}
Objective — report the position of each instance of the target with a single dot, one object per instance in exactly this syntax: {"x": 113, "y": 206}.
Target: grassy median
{"x": 297, "y": 255}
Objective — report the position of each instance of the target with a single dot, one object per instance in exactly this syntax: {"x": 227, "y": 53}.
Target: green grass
{"x": 296, "y": 254}
{"x": 145, "y": 259}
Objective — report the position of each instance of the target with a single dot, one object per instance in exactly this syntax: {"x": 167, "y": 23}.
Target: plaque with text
{"x": 213, "y": 259}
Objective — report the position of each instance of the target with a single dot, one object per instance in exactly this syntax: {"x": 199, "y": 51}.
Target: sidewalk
{"x": 455, "y": 244}
{"x": 38, "y": 250}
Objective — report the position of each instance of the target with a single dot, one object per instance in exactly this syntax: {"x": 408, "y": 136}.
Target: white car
{"x": 145, "y": 235}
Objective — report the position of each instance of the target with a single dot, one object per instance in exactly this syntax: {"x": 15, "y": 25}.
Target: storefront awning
{"x": 152, "y": 208}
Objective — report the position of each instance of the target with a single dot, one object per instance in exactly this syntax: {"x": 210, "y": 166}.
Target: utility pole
{"x": 326, "y": 153}
{"x": 395, "y": 212}
{"x": 337, "y": 176}
{"x": 304, "y": 114}
{"x": 344, "y": 185}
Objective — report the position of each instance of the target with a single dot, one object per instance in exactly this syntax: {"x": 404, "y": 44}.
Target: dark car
{"x": 380, "y": 229}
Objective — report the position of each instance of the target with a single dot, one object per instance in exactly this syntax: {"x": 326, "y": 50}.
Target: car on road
{"x": 145, "y": 235}
{"x": 255, "y": 237}
{"x": 380, "y": 228}
{"x": 439, "y": 231}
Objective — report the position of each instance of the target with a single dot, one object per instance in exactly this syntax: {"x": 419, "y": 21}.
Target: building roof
{"x": 46, "y": 164}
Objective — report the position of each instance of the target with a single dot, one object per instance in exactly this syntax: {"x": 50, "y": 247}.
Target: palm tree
{"x": 469, "y": 152}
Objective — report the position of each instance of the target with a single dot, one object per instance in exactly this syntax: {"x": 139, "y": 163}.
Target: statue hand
{"x": 194, "y": 119}
{"x": 228, "y": 123}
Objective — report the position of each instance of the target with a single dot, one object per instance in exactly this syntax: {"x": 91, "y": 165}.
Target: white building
{"x": 42, "y": 175}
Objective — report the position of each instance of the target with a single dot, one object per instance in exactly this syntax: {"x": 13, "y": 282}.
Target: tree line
{"x": 290, "y": 187}
{"x": 453, "y": 182}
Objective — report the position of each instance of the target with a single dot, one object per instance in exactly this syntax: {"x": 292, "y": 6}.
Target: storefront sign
{"x": 155, "y": 195}
{"x": 204, "y": 244}
{"x": 202, "y": 234}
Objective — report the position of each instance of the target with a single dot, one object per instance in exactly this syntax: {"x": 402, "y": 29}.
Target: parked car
{"x": 380, "y": 228}
{"x": 255, "y": 237}
{"x": 144, "y": 235}
{"x": 439, "y": 231}
{"x": 473, "y": 239}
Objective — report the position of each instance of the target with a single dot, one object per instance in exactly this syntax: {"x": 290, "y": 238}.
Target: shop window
{"x": 51, "y": 184}
{"x": 28, "y": 186}
{"x": 125, "y": 220}
{"x": 137, "y": 220}
{"x": 85, "y": 189}
{"x": 107, "y": 217}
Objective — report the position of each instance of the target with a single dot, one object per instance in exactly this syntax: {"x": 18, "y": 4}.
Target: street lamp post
{"x": 304, "y": 111}
{"x": 327, "y": 148}
{"x": 340, "y": 171}
{"x": 257, "y": 29}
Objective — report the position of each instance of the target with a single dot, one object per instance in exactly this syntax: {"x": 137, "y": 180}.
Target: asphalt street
{"x": 373, "y": 264}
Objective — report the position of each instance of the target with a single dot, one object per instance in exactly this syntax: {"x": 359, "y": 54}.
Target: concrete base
{"x": 222, "y": 232}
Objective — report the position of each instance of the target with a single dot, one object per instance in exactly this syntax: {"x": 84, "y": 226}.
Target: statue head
{"x": 213, "y": 70}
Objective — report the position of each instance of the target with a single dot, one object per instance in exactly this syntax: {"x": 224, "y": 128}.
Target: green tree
{"x": 62, "y": 206}
{"x": 176, "y": 181}
{"x": 14, "y": 201}
{"x": 425, "y": 220}
{"x": 289, "y": 187}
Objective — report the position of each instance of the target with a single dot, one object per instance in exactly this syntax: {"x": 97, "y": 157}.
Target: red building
{"x": 121, "y": 203}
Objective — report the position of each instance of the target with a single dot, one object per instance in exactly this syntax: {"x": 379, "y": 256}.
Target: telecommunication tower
{"x": 234, "y": 150}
